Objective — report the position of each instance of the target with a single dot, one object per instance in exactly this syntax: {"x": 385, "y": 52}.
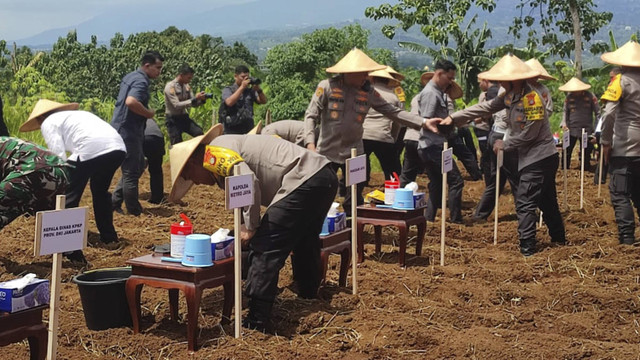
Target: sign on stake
{"x": 356, "y": 169}
{"x": 447, "y": 165}
{"x": 238, "y": 194}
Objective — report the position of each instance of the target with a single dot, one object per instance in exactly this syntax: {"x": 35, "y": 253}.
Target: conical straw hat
{"x": 256, "y": 129}
{"x": 178, "y": 157}
{"x": 355, "y": 61}
{"x": 383, "y": 74}
{"x": 42, "y": 107}
{"x": 509, "y": 68}
{"x": 574, "y": 85}
{"x": 454, "y": 91}
{"x": 535, "y": 65}
{"x": 627, "y": 55}
{"x": 394, "y": 73}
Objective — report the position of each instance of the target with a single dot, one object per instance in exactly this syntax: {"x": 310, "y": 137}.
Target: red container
{"x": 390, "y": 187}
{"x": 179, "y": 232}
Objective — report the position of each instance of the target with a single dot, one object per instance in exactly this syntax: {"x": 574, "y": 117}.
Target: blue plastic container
{"x": 197, "y": 250}
{"x": 403, "y": 199}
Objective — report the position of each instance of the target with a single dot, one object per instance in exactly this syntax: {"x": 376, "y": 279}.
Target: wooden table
{"x": 338, "y": 242}
{"x": 402, "y": 219}
{"x": 27, "y": 324}
{"x": 150, "y": 270}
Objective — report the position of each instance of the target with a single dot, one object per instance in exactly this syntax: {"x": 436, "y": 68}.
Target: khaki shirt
{"x": 339, "y": 110}
{"x": 178, "y": 98}
{"x": 290, "y": 130}
{"x": 378, "y": 127}
{"x": 578, "y": 111}
{"x": 528, "y": 120}
{"x": 279, "y": 167}
{"x": 621, "y": 114}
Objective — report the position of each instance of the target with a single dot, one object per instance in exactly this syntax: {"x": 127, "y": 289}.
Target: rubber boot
{"x": 528, "y": 247}
{"x": 627, "y": 239}
{"x": 259, "y": 317}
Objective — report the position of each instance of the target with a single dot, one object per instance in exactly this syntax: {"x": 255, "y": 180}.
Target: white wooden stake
{"x": 444, "y": 211}
{"x": 540, "y": 221}
{"x": 54, "y": 306}
{"x": 354, "y": 231}
{"x": 495, "y": 209}
{"x": 583, "y": 146}
{"x": 600, "y": 163}
{"x": 237, "y": 265}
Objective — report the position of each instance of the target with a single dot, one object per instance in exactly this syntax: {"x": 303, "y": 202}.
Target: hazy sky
{"x": 24, "y": 18}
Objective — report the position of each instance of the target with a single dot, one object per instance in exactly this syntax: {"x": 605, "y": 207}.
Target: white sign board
{"x": 59, "y": 231}
{"x": 447, "y": 160}
{"x": 356, "y": 169}
{"x": 238, "y": 191}
{"x": 585, "y": 139}
{"x": 565, "y": 139}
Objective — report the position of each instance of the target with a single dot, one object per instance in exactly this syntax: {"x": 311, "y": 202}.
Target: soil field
{"x": 580, "y": 301}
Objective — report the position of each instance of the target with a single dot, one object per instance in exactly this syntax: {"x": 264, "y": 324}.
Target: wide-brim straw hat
{"x": 256, "y": 129}
{"x": 42, "y": 107}
{"x": 509, "y": 68}
{"x": 536, "y": 65}
{"x": 355, "y": 61}
{"x": 454, "y": 91}
{"x": 178, "y": 157}
{"x": 627, "y": 55}
{"x": 394, "y": 73}
{"x": 574, "y": 85}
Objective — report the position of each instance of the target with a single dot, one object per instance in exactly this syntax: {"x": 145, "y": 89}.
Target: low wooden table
{"x": 27, "y": 324}
{"x": 403, "y": 219}
{"x": 150, "y": 270}
{"x": 338, "y": 242}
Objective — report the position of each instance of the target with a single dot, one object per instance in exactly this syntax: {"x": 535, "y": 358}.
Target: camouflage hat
{"x": 42, "y": 107}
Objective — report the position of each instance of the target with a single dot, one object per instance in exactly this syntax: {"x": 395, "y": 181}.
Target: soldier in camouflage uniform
{"x": 30, "y": 179}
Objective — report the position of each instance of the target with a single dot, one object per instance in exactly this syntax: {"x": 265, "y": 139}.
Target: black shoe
{"x": 118, "y": 210}
{"x": 75, "y": 256}
{"x": 527, "y": 247}
{"x": 253, "y": 324}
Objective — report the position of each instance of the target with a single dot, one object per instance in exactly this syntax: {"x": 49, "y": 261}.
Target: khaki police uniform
{"x": 178, "y": 98}
{"x": 529, "y": 135}
{"x": 578, "y": 113}
{"x": 290, "y": 130}
{"x": 339, "y": 111}
{"x": 411, "y": 164}
{"x": 621, "y": 131}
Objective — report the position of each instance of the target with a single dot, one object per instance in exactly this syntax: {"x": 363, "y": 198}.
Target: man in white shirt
{"x": 96, "y": 151}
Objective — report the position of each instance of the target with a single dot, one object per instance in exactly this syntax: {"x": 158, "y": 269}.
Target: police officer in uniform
{"x": 530, "y": 135}
{"x": 178, "y": 98}
{"x": 338, "y": 107}
{"x": 297, "y": 188}
{"x": 540, "y": 87}
{"x": 621, "y": 137}
{"x": 290, "y": 130}
{"x": 580, "y": 107}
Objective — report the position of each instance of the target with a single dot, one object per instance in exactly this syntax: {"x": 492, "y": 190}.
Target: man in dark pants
{"x": 433, "y": 103}
{"x": 530, "y": 135}
{"x": 129, "y": 119}
{"x": 154, "y": 152}
{"x": 296, "y": 185}
{"x": 621, "y": 138}
{"x": 178, "y": 98}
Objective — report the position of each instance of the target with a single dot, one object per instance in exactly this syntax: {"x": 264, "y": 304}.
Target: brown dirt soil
{"x": 489, "y": 302}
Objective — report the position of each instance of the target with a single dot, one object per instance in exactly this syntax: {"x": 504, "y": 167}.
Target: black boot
{"x": 528, "y": 247}
{"x": 259, "y": 317}
{"x": 627, "y": 239}
{"x": 76, "y": 256}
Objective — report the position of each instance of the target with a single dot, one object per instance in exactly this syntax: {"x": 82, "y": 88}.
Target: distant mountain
{"x": 241, "y": 17}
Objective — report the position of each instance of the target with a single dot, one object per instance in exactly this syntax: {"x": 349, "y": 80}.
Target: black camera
{"x": 254, "y": 81}
{"x": 208, "y": 95}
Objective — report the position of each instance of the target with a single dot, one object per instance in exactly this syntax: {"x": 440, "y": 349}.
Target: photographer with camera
{"x": 178, "y": 97}
{"x": 236, "y": 109}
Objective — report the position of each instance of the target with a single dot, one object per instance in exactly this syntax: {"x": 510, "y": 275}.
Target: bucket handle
{"x": 185, "y": 218}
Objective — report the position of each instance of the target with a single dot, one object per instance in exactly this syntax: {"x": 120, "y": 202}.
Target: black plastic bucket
{"x": 103, "y": 296}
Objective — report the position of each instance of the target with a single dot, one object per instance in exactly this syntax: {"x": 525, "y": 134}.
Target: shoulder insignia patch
{"x": 614, "y": 90}
{"x": 319, "y": 91}
{"x": 400, "y": 94}
{"x": 173, "y": 91}
{"x": 533, "y": 108}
